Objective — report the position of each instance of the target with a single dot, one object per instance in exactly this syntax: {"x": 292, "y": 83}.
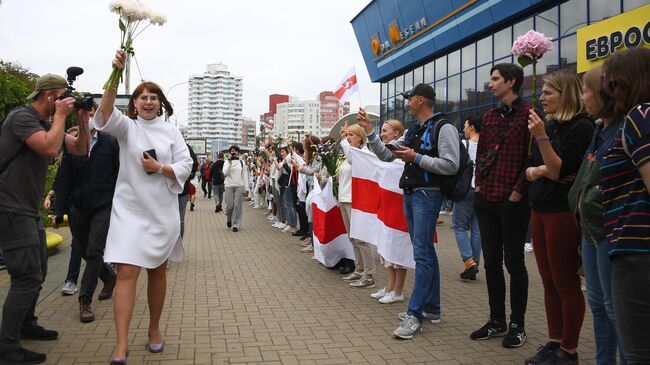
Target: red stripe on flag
{"x": 327, "y": 225}
{"x": 347, "y": 84}
{"x": 369, "y": 197}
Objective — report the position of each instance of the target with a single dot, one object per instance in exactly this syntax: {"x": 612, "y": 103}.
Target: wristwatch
{"x": 160, "y": 169}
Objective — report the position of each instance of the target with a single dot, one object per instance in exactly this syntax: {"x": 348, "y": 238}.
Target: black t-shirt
{"x": 23, "y": 180}
{"x": 570, "y": 141}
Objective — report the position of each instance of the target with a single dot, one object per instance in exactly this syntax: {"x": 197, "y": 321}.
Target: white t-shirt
{"x": 471, "y": 149}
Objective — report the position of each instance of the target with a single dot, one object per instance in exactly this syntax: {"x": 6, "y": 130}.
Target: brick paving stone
{"x": 253, "y": 297}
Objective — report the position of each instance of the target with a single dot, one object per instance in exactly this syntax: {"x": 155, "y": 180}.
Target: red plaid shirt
{"x": 508, "y": 172}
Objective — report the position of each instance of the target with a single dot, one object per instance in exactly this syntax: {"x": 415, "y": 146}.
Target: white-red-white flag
{"x": 268, "y": 124}
{"x": 331, "y": 243}
{"x": 377, "y": 208}
{"x": 347, "y": 86}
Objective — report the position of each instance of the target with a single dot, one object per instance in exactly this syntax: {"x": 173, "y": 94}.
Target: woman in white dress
{"x": 145, "y": 224}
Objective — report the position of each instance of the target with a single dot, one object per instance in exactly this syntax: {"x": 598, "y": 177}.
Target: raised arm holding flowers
{"x": 132, "y": 14}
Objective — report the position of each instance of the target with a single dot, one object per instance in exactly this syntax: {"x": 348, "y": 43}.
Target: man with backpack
{"x": 30, "y": 137}
{"x": 431, "y": 153}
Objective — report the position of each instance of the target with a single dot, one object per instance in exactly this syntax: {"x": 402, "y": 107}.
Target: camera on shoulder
{"x": 83, "y": 102}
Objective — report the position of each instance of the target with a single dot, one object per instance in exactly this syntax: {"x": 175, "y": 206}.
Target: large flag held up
{"x": 347, "y": 86}
{"x": 331, "y": 243}
{"x": 377, "y": 208}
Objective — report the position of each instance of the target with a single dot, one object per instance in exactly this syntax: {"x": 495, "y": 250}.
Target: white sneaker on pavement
{"x": 391, "y": 298}
{"x": 380, "y": 294}
{"x": 69, "y": 288}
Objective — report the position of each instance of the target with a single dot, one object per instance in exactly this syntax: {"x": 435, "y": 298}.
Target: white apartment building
{"x": 215, "y": 106}
{"x": 296, "y": 117}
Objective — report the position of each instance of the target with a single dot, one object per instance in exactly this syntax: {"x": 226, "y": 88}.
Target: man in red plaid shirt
{"x": 501, "y": 204}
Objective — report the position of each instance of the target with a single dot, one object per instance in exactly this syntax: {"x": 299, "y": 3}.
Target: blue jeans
{"x": 462, "y": 220}
{"x": 598, "y": 277}
{"x": 289, "y": 209}
{"x": 421, "y": 209}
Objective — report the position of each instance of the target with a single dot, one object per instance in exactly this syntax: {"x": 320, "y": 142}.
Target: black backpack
{"x": 454, "y": 187}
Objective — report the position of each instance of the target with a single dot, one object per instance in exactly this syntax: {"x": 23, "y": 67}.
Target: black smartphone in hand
{"x": 391, "y": 147}
{"x": 152, "y": 153}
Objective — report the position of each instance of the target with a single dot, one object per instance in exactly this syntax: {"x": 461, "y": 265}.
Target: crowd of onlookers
{"x": 568, "y": 175}
{"x": 573, "y": 168}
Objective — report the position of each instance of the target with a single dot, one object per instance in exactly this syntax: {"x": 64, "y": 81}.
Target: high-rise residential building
{"x": 215, "y": 106}
{"x": 248, "y": 133}
{"x": 295, "y": 118}
{"x": 330, "y": 111}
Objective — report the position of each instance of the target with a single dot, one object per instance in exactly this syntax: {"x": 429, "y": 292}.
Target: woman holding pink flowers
{"x": 555, "y": 160}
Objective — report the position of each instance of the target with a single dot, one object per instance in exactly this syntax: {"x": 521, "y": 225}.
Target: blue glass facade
{"x": 460, "y": 72}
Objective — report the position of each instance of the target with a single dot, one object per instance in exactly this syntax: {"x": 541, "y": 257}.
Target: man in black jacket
{"x": 217, "y": 182}
{"x": 90, "y": 181}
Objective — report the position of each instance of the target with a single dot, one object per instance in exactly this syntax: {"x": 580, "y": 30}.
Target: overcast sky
{"x": 294, "y": 47}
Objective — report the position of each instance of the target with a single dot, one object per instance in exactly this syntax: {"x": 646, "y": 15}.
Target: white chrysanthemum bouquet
{"x": 132, "y": 13}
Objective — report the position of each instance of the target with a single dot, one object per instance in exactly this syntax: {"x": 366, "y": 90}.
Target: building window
{"x": 573, "y": 15}
{"x": 633, "y": 4}
{"x": 547, "y": 23}
{"x": 453, "y": 63}
{"x": 599, "y": 10}
{"x": 469, "y": 57}
{"x": 418, "y": 76}
{"x": 503, "y": 43}
{"x": 453, "y": 93}
{"x": 568, "y": 53}
{"x": 429, "y": 72}
{"x": 408, "y": 81}
{"x": 441, "y": 68}
{"x": 484, "y": 50}
{"x": 468, "y": 95}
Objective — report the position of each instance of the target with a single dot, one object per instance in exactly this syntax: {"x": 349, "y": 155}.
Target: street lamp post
{"x": 170, "y": 89}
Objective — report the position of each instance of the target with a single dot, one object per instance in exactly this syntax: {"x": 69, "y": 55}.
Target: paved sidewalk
{"x": 252, "y": 297}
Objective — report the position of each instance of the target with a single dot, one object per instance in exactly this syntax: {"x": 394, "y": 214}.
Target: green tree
{"x": 15, "y": 84}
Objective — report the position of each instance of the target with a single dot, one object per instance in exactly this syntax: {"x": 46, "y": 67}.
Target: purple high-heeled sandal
{"x": 119, "y": 360}
{"x": 155, "y": 348}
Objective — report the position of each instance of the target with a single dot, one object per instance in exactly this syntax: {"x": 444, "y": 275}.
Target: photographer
{"x": 236, "y": 182}
{"x": 30, "y": 137}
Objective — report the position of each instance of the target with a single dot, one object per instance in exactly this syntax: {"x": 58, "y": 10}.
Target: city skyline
{"x": 298, "y": 52}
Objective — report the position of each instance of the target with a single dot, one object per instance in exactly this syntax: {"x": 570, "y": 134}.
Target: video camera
{"x": 80, "y": 102}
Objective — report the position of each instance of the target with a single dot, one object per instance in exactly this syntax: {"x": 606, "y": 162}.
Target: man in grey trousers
{"x": 236, "y": 183}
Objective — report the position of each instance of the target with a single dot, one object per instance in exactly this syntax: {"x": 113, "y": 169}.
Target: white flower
{"x": 119, "y": 5}
{"x": 157, "y": 18}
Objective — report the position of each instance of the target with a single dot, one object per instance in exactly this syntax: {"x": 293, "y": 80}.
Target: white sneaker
{"x": 391, "y": 298}
{"x": 528, "y": 247}
{"x": 282, "y": 226}
{"x": 69, "y": 288}
{"x": 270, "y": 217}
{"x": 287, "y": 229}
{"x": 380, "y": 294}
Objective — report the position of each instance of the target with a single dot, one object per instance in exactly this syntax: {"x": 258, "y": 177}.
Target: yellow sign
{"x": 598, "y": 41}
